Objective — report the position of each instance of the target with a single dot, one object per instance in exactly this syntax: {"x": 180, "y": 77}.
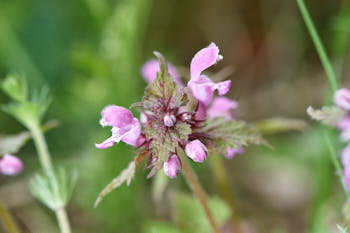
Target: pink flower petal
{"x": 203, "y": 59}
{"x": 231, "y": 152}
{"x": 201, "y": 112}
{"x": 223, "y": 87}
{"x": 222, "y": 107}
{"x": 150, "y": 69}
{"x": 347, "y": 178}
{"x": 342, "y": 98}
{"x": 202, "y": 89}
{"x": 132, "y": 135}
{"x": 345, "y": 157}
{"x": 344, "y": 124}
{"x": 116, "y": 116}
{"x": 10, "y": 165}
{"x": 109, "y": 142}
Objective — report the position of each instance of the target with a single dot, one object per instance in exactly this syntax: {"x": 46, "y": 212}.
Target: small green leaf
{"x": 341, "y": 229}
{"x": 13, "y": 143}
{"x": 15, "y": 86}
{"x": 54, "y": 190}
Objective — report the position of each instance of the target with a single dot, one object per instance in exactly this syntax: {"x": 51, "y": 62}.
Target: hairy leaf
{"x": 230, "y": 133}
{"x": 329, "y": 115}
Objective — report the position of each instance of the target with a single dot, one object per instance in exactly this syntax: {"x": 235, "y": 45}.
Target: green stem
{"x": 197, "y": 189}
{"x": 45, "y": 160}
{"x": 332, "y": 78}
{"x": 220, "y": 174}
{"x": 7, "y": 220}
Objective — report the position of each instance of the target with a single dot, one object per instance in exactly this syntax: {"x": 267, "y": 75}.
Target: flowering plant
{"x": 175, "y": 120}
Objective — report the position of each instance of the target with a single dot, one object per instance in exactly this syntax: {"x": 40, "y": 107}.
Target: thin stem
{"x": 335, "y": 161}
{"x": 332, "y": 78}
{"x": 45, "y": 160}
{"x": 198, "y": 191}
{"x": 43, "y": 152}
{"x": 220, "y": 174}
{"x": 7, "y": 220}
{"x": 63, "y": 220}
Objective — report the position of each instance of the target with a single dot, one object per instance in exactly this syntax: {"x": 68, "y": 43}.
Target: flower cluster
{"x": 177, "y": 118}
{"x": 10, "y": 165}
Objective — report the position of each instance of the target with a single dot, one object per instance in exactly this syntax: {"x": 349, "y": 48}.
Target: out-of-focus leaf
{"x": 329, "y": 115}
{"x": 54, "y": 190}
{"x": 16, "y": 87}
{"x": 158, "y": 186}
{"x": 159, "y": 227}
{"x": 342, "y": 229}
{"x": 190, "y": 217}
{"x": 12, "y": 143}
{"x": 280, "y": 125}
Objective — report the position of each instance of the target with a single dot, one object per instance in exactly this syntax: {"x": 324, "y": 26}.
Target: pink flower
{"x": 150, "y": 69}
{"x": 201, "y": 112}
{"x": 10, "y": 165}
{"x": 172, "y": 167}
{"x": 196, "y": 150}
{"x": 231, "y": 152}
{"x": 201, "y": 86}
{"x": 345, "y": 157}
{"x": 342, "y": 98}
{"x": 222, "y": 107}
{"x": 344, "y": 124}
{"x": 125, "y": 127}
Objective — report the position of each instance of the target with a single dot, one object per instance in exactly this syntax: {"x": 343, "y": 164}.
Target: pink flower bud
{"x": 172, "y": 167}
{"x": 196, "y": 150}
{"x": 231, "y": 152}
{"x": 169, "y": 120}
{"x": 10, "y": 165}
{"x": 116, "y": 116}
{"x": 342, "y": 98}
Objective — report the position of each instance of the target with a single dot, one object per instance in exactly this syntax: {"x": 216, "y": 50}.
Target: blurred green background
{"x": 89, "y": 52}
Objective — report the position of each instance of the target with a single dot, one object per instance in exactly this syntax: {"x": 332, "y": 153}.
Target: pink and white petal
{"x": 116, "y": 116}
{"x": 223, "y": 87}
{"x": 222, "y": 107}
{"x": 131, "y": 137}
{"x": 203, "y": 59}
{"x": 201, "y": 112}
{"x": 109, "y": 142}
{"x": 203, "y": 89}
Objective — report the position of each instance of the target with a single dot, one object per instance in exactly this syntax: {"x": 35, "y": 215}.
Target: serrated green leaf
{"x": 190, "y": 217}
{"x": 230, "y": 133}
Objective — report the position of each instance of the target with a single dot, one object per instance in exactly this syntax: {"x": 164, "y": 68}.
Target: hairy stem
{"x": 46, "y": 163}
{"x": 332, "y": 78}
{"x": 197, "y": 189}
{"x": 220, "y": 174}
{"x": 62, "y": 219}
{"x": 7, "y": 220}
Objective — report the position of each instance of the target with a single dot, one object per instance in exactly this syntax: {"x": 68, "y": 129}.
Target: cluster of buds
{"x": 178, "y": 119}
{"x": 10, "y": 165}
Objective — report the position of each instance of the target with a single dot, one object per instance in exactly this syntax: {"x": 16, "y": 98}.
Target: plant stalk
{"x": 220, "y": 174}
{"x": 197, "y": 189}
{"x": 7, "y": 220}
{"x": 46, "y": 163}
{"x": 332, "y": 78}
